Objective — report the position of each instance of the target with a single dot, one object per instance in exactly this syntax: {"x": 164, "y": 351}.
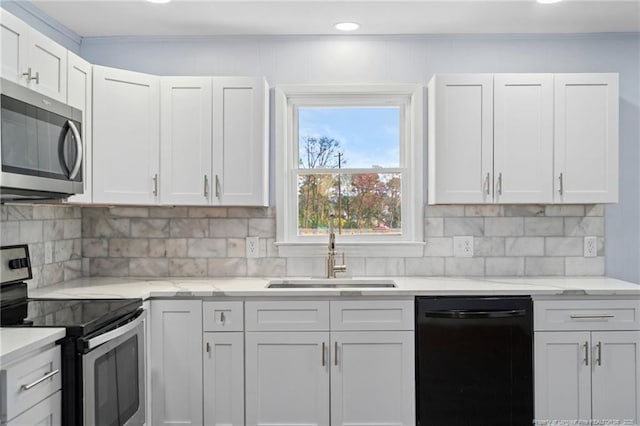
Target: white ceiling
{"x": 90, "y": 18}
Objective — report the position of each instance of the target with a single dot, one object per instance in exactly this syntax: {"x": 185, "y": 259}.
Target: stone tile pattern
{"x": 525, "y": 240}
{"x": 54, "y": 236}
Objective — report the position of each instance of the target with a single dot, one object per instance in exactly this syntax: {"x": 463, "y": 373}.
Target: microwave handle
{"x": 70, "y": 126}
{"x": 113, "y": 334}
{"x": 78, "y": 140}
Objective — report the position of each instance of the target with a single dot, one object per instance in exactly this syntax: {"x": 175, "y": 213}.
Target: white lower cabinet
{"x": 591, "y": 375}
{"x": 287, "y": 374}
{"x": 45, "y": 413}
{"x": 325, "y": 375}
{"x": 176, "y": 362}
{"x": 372, "y": 378}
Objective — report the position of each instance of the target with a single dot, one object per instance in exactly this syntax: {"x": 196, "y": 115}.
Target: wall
{"x": 53, "y": 234}
{"x": 201, "y": 242}
{"x": 332, "y": 59}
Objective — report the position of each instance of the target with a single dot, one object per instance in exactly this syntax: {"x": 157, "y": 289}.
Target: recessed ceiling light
{"x": 347, "y": 26}
{"x": 159, "y": 1}
{"x": 548, "y": 1}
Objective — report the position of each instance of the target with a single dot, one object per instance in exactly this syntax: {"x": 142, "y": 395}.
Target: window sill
{"x": 359, "y": 249}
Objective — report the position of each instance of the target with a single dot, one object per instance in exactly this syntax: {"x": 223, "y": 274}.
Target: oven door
{"x": 114, "y": 376}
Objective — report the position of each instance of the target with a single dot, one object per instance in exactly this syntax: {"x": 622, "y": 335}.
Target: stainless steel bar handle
{"x": 222, "y": 318}
{"x": 27, "y": 74}
{"x": 78, "y": 140}
{"x": 113, "y": 334}
{"x": 487, "y": 184}
{"x": 324, "y": 349}
{"x": 40, "y": 380}
{"x": 499, "y": 184}
{"x": 561, "y": 188}
{"x": 335, "y": 354}
{"x": 217, "y": 187}
{"x": 208, "y": 347}
{"x": 586, "y": 353}
{"x": 36, "y": 78}
{"x": 591, "y": 316}
{"x": 155, "y": 185}
{"x": 599, "y": 360}
{"x": 206, "y": 186}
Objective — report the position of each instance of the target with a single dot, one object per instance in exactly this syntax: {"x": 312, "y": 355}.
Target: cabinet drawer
{"x": 21, "y": 385}
{"x": 598, "y": 314}
{"x": 372, "y": 315}
{"x": 222, "y": 316}
{"x": 287, "y": 315}
{"x": 45, "y": 413}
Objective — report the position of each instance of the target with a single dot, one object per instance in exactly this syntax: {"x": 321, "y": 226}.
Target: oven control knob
{"x": 18, "y": 263}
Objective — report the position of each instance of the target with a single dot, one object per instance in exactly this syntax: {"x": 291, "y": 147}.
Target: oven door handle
{"x": 114, "y": 334}
{"x": 464, "y": 314}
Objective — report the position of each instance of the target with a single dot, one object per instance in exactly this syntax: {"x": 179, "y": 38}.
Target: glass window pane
{"x": 370, "y": 203}
{"x": 365, "y": 137}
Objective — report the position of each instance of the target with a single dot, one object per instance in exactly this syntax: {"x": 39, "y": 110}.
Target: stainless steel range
{"x": 103, "y": 353}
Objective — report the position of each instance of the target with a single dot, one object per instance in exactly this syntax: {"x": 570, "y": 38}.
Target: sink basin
{"x": 331, "y": 283}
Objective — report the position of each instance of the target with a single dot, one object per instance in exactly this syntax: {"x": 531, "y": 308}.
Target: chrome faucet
{"x": 332, "y": 268}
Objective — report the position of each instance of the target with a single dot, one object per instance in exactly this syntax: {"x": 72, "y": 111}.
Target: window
{"x": 349, "y": 157}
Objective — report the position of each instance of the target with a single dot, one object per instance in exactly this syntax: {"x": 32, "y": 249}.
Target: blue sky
{"x": 368, "y": 136}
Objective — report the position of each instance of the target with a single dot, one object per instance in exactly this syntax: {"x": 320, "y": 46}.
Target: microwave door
{"x": 19, "y": 137}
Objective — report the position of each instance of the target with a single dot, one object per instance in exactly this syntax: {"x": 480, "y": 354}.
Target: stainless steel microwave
{"x": 41, "y": 146}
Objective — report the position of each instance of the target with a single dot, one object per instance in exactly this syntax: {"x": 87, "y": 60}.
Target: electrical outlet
{"x": 463, "y": 246}
{"x": 590, "y": 246}
{"x": 253, "y": 246}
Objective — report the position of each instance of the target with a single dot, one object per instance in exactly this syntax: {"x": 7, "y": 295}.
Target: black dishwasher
{"x": 474, "y": 361}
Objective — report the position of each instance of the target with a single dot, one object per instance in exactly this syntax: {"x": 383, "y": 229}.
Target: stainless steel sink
{"x": 331, "y": 283}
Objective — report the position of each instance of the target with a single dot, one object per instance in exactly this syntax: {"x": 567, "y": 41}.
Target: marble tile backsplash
{"x": 54, "y": 236}
{"x": 210, "y": 242}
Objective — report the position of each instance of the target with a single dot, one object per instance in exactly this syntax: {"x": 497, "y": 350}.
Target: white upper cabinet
{"x": 214, "y": 141}
{"x": 79, "y": 96}
{"x": 523, "y": 138}
{"x": 586, "y": 138}
{"x": 31, "y": 59}
{"x": 241, "y": 141}
{"x": 461, "y": 139}
{"x": 126, "y": 136}
{"x": 185, "y": 140}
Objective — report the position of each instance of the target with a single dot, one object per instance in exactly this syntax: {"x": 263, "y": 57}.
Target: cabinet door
{"x": 13, "y": 39}
{"x": 615, "y": 380}
{"x": 523, "y": 138}
{"x": 48, "y": 63}
{"x": 461, "y": 139}
{"x": 287, "y": 378}
{"x": 46, "y": 413}
{"x": 241, "y": 141}
{"x": 586, "y": 138}
{"x": 562, "y": 375}
{"x": 79, "y": 96}
{"x": 185, "y": 140}
{"x": 224, "y": 379}
{"x": 372, "y": 378}
{"x": 176, "y": 362}
{"x": 126, "y": 136}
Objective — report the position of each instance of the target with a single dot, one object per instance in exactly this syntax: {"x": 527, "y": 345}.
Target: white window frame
{"x": 287, "y": 99}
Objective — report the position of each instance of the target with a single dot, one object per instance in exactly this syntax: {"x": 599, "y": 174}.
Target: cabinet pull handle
{"x": 586, "y": 353}
{"x": 155, "y": 185}
{"x": 599, "y": 360}
{"x": 324, "y": 349}
{"x": 335, "y": 354}
{"x": 561, "y": 181}
{"x": 40, "y": 380}
{"x": 499, "y": 184}
{"x": 487, "y": 185}
{"x": 222, "y": 318}
{"x": 587, "y": 316}
{"x": 37, "y": 77}
{"x": 206, "y": 186}
{"x": 208, "y": 347}
{"x": 217, "y": 187}
{"x": 27, "y": 74}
